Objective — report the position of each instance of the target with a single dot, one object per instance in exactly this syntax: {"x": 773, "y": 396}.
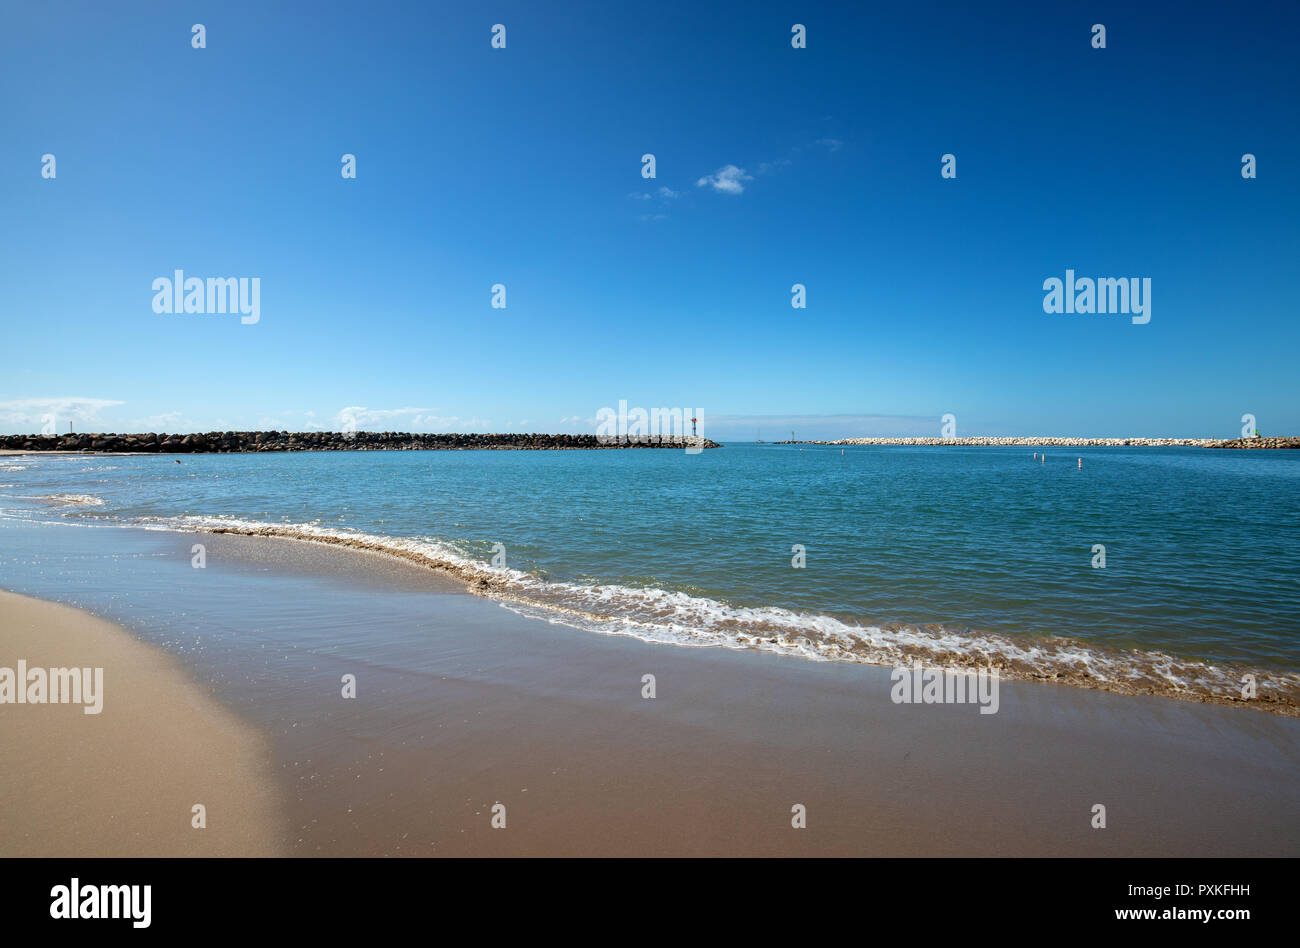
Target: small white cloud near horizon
{"x": 34, "y": 411}
{"x": 419, "y": 420}
{"x": 167, "y": 421}
{"x": 726, "y": 180}
{"x": 446, "y": 423}
{"x": 357, "y": 417}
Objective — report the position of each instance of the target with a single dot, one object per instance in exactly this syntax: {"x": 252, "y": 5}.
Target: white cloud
{"x": 834, "y": 144}
{"x": 727, "y": 180}
{"x": 33, "y": 413}
{"x": 167, "y": 421}
{"x": 669, "y": 193}
{"x": 356, "y": 418}
{"x": 439, "y": 424}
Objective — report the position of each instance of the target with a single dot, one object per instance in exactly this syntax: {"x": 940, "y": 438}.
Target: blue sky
{"x": 521, "y": 166}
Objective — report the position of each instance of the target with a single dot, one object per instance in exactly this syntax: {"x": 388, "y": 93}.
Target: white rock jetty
{"x": 1073, "y": 442}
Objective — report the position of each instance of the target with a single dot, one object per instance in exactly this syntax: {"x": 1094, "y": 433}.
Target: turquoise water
{"x": 982, "y": 553}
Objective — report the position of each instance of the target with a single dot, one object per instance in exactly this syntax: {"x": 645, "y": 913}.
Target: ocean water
{"x": 971, "y": 556}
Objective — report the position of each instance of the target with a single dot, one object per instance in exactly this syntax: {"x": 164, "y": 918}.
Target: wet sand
{"x": 462, "y": 704}
{"x": 122, "y": 782}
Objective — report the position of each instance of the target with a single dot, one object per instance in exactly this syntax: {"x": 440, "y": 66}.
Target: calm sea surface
{"x": 980, "y": 553}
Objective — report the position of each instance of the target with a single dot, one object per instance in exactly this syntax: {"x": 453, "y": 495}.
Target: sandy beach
{"x": 463, "y": 705}
{"x": 122, "y": 782}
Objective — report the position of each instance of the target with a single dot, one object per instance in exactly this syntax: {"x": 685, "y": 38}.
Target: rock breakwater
{"x": 230, "y": 442}
{"x": 1072, "y": 442}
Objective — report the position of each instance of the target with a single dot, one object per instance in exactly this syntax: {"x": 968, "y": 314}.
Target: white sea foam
{"x": 671, "y": 617}
{"x": 81, "y": 500}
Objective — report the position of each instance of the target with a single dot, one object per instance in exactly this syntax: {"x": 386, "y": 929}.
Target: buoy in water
{"x": 1081, "y": 464}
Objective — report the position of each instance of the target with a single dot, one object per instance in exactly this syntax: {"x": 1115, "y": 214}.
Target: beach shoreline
{"x": 463, "y": 705}
{"x": 1277, "y": 695}
{"x": 123, "y": 780}
{"x": 817, "y": 634}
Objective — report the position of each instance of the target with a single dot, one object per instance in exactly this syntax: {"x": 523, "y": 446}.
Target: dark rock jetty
{"x": 232, "y": 442}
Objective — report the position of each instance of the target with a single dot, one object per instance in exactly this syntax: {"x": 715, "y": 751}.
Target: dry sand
{"x": 123, "y": 782}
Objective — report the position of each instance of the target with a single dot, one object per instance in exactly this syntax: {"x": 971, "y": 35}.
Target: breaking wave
{"x": 79, "y": 500}
{"x": 658, "y": 615}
